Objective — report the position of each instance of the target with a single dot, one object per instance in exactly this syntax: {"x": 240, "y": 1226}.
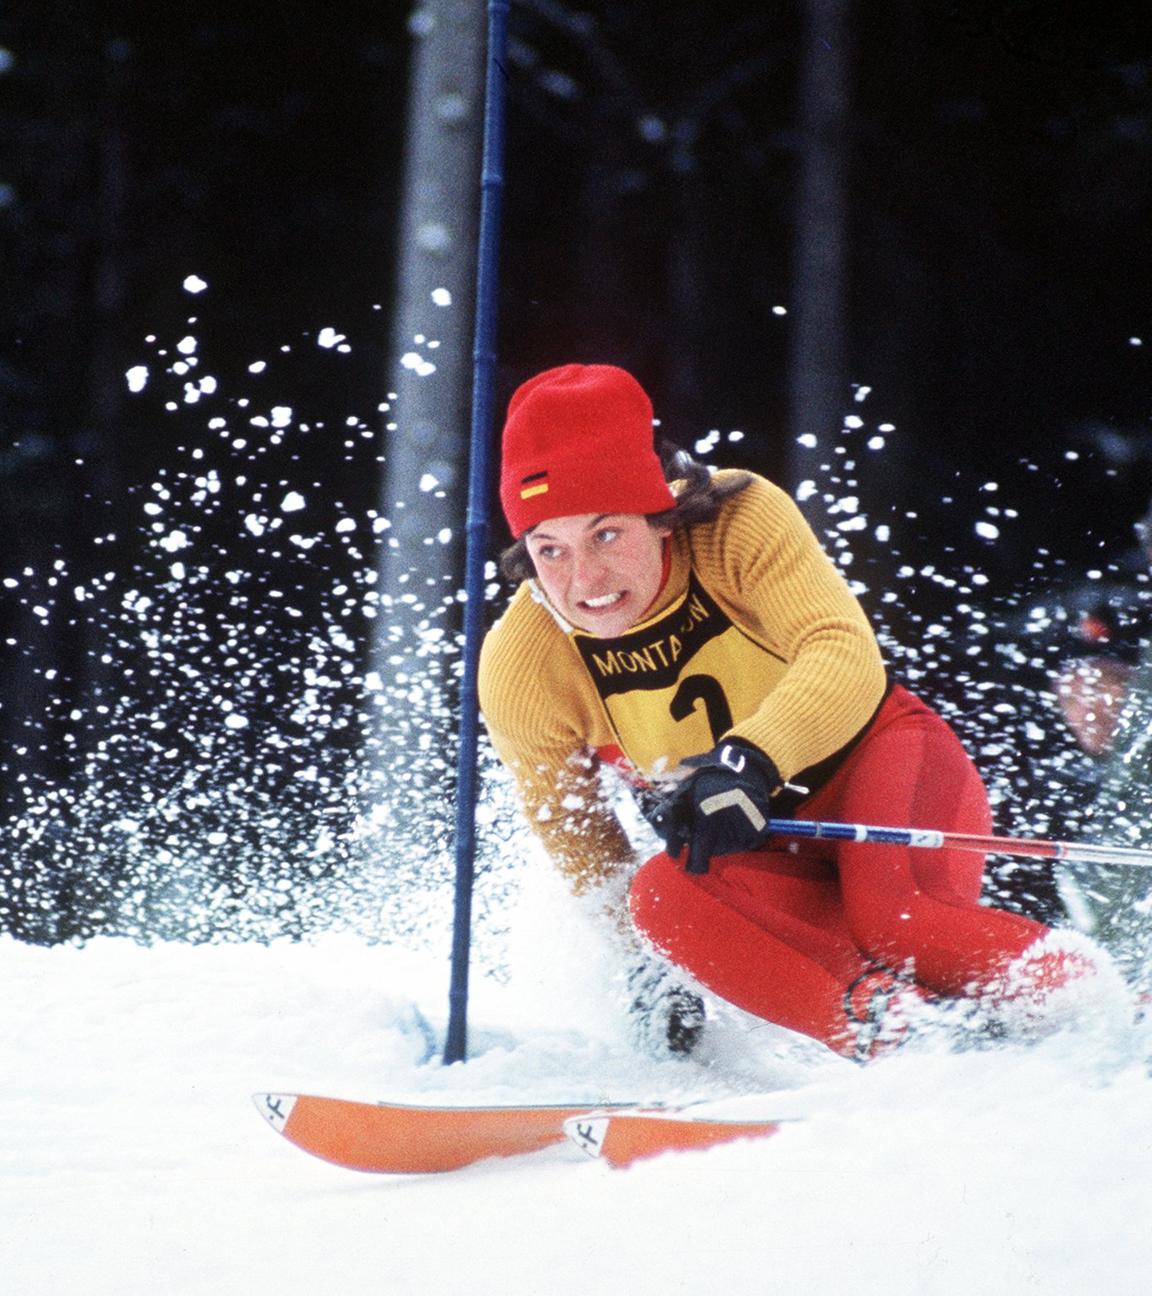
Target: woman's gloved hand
{"x": 722, "y": 807}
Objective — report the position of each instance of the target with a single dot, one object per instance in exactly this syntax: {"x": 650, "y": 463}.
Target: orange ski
{"x": 391, "y": 1138}
{"x": 622, "y": 1138}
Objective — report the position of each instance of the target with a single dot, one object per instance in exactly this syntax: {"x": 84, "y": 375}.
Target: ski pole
{"x": 933, "y": 839}
{"x": 483, "y": 381}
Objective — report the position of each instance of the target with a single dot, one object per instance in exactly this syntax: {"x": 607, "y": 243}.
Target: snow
{"x": 134, "y": 1161}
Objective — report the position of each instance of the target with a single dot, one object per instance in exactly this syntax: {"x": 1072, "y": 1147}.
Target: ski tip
{"x": 275, "y": 1108}
{"x": 621, "y": 1139}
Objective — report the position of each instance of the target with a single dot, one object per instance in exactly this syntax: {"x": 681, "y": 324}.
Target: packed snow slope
{"x": 133, "y": 1160}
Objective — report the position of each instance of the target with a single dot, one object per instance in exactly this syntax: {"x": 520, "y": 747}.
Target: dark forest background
{"x": 992, "y": 303}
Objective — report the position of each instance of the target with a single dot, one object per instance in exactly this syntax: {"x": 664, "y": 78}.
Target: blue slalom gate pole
{"x": 476, "y": 547}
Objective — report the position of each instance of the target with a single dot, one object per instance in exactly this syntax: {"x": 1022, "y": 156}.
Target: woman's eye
{"x": 607, "y": 535}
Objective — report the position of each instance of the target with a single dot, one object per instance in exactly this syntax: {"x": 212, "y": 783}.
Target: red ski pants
{"x": 803, "y": 933}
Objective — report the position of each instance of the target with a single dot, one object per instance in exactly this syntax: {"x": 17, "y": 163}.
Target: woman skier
{"x": 686, "y": 628}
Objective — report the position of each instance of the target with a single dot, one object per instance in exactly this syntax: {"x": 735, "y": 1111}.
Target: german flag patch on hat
{"x": 533, "y": 484}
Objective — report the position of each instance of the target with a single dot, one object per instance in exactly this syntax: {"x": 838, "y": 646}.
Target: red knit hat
{"x": 579, "y": 440}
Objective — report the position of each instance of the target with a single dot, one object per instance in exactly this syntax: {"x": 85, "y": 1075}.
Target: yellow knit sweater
{"x": 755, "y": 633}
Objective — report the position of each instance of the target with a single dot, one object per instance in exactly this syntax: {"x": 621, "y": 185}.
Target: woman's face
{"x": 601, "y": 571}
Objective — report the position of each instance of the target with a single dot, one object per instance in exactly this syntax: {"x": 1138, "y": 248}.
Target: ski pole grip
{"x": 698, "y": 857}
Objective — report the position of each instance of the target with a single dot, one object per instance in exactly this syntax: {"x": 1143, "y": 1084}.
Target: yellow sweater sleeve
{"x": 764, "y": 561}
{"x": 542, "y": 726}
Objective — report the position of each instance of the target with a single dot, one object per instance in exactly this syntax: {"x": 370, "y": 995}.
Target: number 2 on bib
{"x": 706, "y": 689}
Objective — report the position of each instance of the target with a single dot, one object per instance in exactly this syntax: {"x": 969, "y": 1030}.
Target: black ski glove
{"x": 722, "y": 807}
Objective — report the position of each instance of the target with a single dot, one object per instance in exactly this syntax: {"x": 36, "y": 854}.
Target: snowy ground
{"x": 134, "y": 1162}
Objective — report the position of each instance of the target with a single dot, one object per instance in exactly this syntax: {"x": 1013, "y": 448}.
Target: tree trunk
{"x": 818, "y": 380}
{"x": 411, "y": 729}
{"x": 425, "y": 474}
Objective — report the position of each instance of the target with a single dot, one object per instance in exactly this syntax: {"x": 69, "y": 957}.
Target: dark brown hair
{"x": 698, "y": 500}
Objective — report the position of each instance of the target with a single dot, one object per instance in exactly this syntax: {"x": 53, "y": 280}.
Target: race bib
{"x": 673, "y": 687}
